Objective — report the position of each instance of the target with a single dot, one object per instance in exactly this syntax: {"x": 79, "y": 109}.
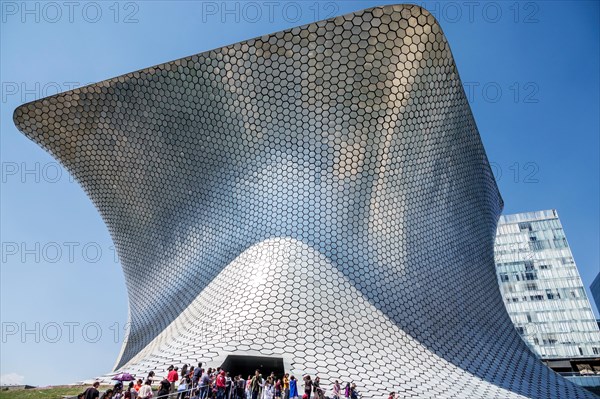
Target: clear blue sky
{"x": 532, "y": 69}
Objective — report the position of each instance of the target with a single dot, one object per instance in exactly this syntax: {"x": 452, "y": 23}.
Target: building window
{"x": 596, "y": 350}
{"x": 536, "y": 297}
{"x": 580, "y": 351}
{"x": 560, "y": 243}
{"x": 538, "y": 245}
{"x": 525, "y": 226}
{"x": 531, "y": 286}
{"x": 504, "y": 278}
{"x": 529, "y": 266}
{"x": 544, "y": 267}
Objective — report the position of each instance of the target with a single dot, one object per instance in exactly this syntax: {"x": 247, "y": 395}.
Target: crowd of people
{"x": 215, "y": 383}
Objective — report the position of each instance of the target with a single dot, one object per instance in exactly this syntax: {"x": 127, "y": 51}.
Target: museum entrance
{"x": 247, "y": 365}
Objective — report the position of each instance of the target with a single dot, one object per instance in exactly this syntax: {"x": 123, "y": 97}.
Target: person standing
{"x": 133, "y": 393}
{"x": 353, "y": 391}
{"x": 92, "y": 392}
{"x": 164, "y": 388}
{"x": 293, "y": 393}
{"x": 212, "y": 387}
{"x": 278, "y": 386}
{"x": 347, "y": 391}
{"x": 173, "y": 377}
{"x": 183, "y": 387}
{"x": 221, "y": 384}
{"x": 308, "y": 384}
{"x": 107, "y": 395}
{"x": 205, "y": 384}
{"x": 228, "y": 389}
{"x": 118, "y": 391}
{"x": 286, "y": 386}
{"x": 118, "y": 387}
{"x": 197, "y": 375}
{"x": 268, "y": 389}
{"x": 184, "y": 370}
{"x": 317, "y": 388}
{"x": 145, "y": 391}
{"x": 249, "y": 387}
{"x": 240, "y": 387}
{"x": 337, "y": 389}
{"x": 255, "y": 384}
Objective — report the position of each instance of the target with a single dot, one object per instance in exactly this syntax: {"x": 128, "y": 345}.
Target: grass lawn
{"x": 56, "y": 392}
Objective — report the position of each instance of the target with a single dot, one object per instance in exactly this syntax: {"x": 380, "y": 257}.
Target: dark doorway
{"x": 247, "y": 365}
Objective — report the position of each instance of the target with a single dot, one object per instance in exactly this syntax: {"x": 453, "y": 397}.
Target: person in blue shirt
{"x": 293, "y": 388}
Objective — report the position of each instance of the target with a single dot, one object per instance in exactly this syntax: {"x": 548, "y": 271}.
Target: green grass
{"x": 47, "y": 392}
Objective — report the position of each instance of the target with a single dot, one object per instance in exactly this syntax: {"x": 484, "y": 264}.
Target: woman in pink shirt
{"x": 336, "y": 390}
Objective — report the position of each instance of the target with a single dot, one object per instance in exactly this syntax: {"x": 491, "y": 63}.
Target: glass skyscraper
{"x": 595, "y": 288}
{"x": 541, "y": 287}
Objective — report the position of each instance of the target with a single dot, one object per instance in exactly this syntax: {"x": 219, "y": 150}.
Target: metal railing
{"x": 198, "y": 387}
{"x": 578, "y": 374}
{"x": 208, "y": 392}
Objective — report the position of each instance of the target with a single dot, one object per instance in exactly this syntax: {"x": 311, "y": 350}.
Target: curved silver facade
{"x": 320, "y": 194}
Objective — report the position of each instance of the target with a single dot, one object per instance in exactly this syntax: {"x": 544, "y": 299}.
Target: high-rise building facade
{"x": 541, "y": 286}
{"x": 595, "y": 288}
